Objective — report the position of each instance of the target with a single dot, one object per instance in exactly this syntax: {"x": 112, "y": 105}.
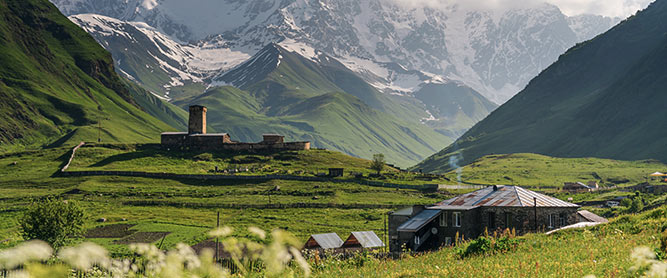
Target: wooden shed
{"x": 363, "y": 240}
{"x": 323, "y": 241}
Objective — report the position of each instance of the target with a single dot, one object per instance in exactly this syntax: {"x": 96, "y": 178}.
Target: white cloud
{"x": 613, "y": 8}
{"x": 620, "y": 8}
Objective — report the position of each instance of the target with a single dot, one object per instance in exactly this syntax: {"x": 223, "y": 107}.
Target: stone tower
{"x": 197, "y": 121}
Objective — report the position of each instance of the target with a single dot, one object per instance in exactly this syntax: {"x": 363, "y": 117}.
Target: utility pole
{"x": 386, "y": 234}
{"x": 217, "y": 243}
{"x": 535, "y": 205}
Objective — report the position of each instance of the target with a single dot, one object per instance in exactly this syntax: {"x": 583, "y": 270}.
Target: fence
{"x": 261, "y": 206}
{"x": 425, "y": 187}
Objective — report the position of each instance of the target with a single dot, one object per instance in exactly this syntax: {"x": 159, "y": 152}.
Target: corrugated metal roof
{"x": 328, "y": 241}
{"x": 208, "y": 134}
{"x": 367, "y": 239}
{"x": 417, "y": 222}
{"x": 503, "y": 196}
{"x": 592, "y": 217}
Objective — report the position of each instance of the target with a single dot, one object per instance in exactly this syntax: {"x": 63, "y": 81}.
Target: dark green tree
{"x": 54, "y": 221}
{"x": 637, "y": 204}
{"x": 377, "y": 164}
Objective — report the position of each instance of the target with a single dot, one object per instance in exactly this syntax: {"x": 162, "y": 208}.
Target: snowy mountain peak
{"x": 496, "y": 53}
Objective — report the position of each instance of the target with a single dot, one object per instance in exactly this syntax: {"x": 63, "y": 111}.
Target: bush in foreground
{"x": 55, "y": 221}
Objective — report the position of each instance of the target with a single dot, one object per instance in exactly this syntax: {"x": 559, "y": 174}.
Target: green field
{"x": 533, "y": 170}
{"x": 168, "y": 211}
{"x": 188, "y": 208}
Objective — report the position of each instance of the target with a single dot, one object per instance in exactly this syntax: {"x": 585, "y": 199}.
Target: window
{"x": 492, "y": 220}
{"x": 417, "y": 240}
{"x": 443, "y": 219}
{"x": 448, "y": 241}
{"x": 457, "y": 219}
{"x": 563, "y": 220}
{"x": 509, "y": 220}
{"x": 553, "y": 218}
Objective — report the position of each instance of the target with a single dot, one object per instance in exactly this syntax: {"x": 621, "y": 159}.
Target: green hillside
{"x": 57, "y": 84}
{"x": 456, "y": 107}
{"x": 533, "y": 170}
{"x": 326, "y": 104}
{"x": 603, "y": 98}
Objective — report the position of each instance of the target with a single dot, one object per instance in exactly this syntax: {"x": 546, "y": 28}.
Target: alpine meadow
{"x": 333, "y": 138}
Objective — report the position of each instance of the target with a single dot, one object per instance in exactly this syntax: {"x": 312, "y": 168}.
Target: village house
{"x": 581, "y": 187}
{"x": 197, "y": 139}
{"x": 468, "y": 216}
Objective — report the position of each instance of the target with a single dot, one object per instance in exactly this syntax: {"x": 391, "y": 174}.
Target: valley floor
{"x": 169, "y": 211}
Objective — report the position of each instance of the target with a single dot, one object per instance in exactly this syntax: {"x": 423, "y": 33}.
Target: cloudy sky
{"x": 613, "y": 8}
{"x": 622, "y": 8}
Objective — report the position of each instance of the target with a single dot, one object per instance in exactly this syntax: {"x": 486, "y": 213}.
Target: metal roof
{"x": 592, "y": 217}
{"x": 502, "y": 196}
{"x": 417, "y": 222}
{"x": 328, "y": 241}
{"x": 404, "y": 211}
{"x": 208, "y": 134}
{"x": 367, "y": 239}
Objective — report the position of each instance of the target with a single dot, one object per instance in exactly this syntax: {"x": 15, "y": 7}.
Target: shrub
{"x": 204, "y": 157}
{"x": 637, "y": 205}
{"x": 377, "y": 164}
{"x": 54, "y": 221}
{"x": 486, "y": 244}
{"x": 627, "y": 202}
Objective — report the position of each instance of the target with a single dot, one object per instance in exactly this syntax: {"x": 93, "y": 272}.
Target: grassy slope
{"x": 31, "y": 179}
{"x": 57, "y": 81}
{"x": 457, "y": 108}
{"x": 603, "y": 98}
{"x": 538, "y": 170}
{"x": 167, "y": 112}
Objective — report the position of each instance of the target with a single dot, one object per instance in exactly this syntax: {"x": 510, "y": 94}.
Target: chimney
{"x": 197, "y": 121}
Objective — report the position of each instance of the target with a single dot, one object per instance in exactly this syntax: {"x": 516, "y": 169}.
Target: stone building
{"x": 581, "y": 187}
{"x": 197, "y": 139}
{"x": 468, "y": 216}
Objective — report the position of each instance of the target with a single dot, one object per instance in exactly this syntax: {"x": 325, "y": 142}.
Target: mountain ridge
{"x": 603, "y": 98}
{"x": 475, "y": 47}
{"x": 58, "y": 85}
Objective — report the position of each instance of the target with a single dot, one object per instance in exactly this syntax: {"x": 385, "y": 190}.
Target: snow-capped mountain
{"x": 395, "y": 47}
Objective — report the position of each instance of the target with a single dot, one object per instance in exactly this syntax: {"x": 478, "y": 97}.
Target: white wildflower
{"x": 257, "y": 231}
{"x": 221, "y": 232}
{"x": 34, "y": 250}
{"x": 85, "y": 255}
{"x": 301, "y": 261}
{"x": 658, "y": 270}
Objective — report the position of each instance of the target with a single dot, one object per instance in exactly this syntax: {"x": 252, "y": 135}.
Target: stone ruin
{"x": 197, "y": 139}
